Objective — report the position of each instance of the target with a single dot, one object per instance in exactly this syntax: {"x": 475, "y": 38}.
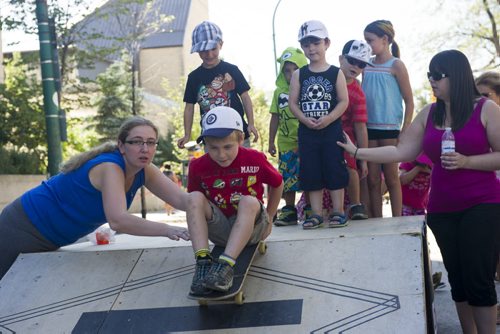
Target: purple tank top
{"x": 460, "y": 189}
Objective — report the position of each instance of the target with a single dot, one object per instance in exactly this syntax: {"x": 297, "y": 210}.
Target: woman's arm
{"x": 408, "y": 147}
{"x": 490, "y": 117}
{"x": 110, "y": 180}
{"x": 164, "y": 188}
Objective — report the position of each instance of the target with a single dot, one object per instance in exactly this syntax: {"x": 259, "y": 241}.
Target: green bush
{"x": 15, "y": 162}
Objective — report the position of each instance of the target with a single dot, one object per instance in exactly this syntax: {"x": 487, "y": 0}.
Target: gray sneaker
{"x": 220, "y": 276}
{"x": 358, "y": 212}
{"x": 202, "y": 267}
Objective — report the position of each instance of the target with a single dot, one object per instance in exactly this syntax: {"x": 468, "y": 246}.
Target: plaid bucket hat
{"x": 205, "y": 37}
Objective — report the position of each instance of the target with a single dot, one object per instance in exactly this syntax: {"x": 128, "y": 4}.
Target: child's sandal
{"x": 337, "y": 219}
{"x": 314, "y": 221}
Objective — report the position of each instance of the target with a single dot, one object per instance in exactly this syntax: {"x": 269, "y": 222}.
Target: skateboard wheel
{"x": 262, "y": 247}
{"x": 202, "y": 302}
{"x": 238, "y": 299}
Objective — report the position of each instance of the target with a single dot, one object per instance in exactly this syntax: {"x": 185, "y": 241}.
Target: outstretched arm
{"x": 407, "y": 149}
{"x": 110, "y": 180}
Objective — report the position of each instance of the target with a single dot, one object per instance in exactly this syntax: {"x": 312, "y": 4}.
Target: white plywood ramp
{"x": 364, "y": 278}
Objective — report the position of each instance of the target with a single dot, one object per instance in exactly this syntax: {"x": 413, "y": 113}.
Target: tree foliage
{"x": 22, "y": 122}
{"x": 473, "y": 29}
{"x": 114, "y": 102}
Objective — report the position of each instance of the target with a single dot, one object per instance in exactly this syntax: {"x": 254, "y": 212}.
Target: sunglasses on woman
{"x": 355, "y": 62}
{"x": 436, "y": 76}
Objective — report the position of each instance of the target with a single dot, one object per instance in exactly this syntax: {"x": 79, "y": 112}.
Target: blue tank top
{"x": 384, "y": 101}
{"x": 67, "y": 207}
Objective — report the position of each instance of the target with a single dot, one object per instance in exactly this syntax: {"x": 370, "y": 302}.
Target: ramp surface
{"x": 365, "y": 278}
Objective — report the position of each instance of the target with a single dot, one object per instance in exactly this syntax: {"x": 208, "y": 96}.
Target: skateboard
{"x": 241, "y": 268}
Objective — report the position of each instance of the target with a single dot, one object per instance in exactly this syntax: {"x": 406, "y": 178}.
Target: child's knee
{"x": 196, "y": 199}
{"x": 249, "y": 202}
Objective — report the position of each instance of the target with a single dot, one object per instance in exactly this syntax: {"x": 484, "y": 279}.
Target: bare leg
{"x": 466, "y": 318}
{"x": 197, "y": 214}
{"x": 353, "y": 186}
{"x": 248, "y": 208}
{"x": 374, "y": 189}
{"x": 289, "y": 198}
{"x": 337, "y": 200}
{"x": 394, "y": 187}
{"x": 316, "y": 201}
{"x": 391, "y": 176}
{"x": 485, "y": 319}
{"x": 365, "y": 195}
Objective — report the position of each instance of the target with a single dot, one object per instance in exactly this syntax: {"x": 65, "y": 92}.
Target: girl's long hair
{"x": 384, "y": 27}
{"x": 463, "y": 90}
{"x": 80, "y": 159}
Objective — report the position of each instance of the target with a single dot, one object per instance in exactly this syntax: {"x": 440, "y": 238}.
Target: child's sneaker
{"x": 287, "y": 216}
{"x": 308, "y": 212}
{"x": 358, "y": 212}
{"x": 220, "y": 276}
{"x": 201, "y": 270}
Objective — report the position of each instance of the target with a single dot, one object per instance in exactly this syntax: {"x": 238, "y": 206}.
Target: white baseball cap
{"x": 313, "y": 28}
{"x": 359, "y": 50}
{"x": 220, "y": 122}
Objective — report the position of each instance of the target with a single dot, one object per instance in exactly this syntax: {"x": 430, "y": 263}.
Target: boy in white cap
{"x": 215, "y": 83}
{"x": 318, "y": 98}
{"x": 355, "y": 57}
{"x": 226, "y": 199}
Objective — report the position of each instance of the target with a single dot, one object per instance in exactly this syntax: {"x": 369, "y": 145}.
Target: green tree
{"x": 114, "y": 102}
{"x": 22, "y": 125}
{"x": 473, "y": 29}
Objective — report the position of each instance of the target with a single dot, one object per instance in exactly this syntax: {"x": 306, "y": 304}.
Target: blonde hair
{"x": 490, "y": 80}
{"x": 384, "y": 27}
{"x": 236, "y": 135}
{"x": 78, "y": 160}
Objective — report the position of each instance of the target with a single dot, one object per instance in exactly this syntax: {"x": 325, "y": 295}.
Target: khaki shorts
{"x": 220, "y": 226}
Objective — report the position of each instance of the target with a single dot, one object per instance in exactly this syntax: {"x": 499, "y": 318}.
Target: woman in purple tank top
{"x": 464, "y": 203}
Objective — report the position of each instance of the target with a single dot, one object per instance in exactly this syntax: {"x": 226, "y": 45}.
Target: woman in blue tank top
{"x": 93, "y": 188}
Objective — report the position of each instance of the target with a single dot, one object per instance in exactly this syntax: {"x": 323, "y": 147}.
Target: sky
{"x": 247, "y": 27}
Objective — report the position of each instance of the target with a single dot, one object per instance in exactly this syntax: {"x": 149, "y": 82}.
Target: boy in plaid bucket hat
{"x": 215, "y": 83}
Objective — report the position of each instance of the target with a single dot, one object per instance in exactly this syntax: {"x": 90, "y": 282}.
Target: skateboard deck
{"x": 241, "y": 268}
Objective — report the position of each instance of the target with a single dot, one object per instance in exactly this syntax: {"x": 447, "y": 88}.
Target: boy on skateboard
{"x": 225, "y": 204}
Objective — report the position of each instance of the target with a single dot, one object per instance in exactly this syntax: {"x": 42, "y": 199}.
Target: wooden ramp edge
{"x": 369, "y": 277}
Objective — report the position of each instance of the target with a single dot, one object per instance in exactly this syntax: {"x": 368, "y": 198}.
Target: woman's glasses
{"x": 436, "y": 76}
{"x": 355, "y": 62}
{"x": 141, "y": 143}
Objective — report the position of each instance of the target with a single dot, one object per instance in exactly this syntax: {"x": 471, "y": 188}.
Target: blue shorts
{"x": 289, "y": 169}
{"x": 322, "y": 163}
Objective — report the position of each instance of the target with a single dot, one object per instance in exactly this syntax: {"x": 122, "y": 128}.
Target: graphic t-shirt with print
{"x": 221, "y": 85}
{"x": 224, "y": 186}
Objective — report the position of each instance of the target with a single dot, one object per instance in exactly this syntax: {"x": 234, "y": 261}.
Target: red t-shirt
{"x": 356, "y": 110}
{"x": 225, "y": 185}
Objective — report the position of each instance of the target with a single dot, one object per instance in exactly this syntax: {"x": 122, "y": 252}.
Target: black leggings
{"x": 469, "y": 241}
{"x": 18, "y": 235}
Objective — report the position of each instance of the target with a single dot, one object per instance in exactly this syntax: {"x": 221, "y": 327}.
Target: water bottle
{"x": 447, "y": 141}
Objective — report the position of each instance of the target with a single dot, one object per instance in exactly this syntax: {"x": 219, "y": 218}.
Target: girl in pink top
{"x": 415, "y": 180}
{"x": 464, "y": 203}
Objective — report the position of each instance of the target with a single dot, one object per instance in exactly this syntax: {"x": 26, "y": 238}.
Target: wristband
{"x": 356, "y": 152}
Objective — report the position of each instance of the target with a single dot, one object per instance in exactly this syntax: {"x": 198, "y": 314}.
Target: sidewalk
{"x": 446, "y": 317}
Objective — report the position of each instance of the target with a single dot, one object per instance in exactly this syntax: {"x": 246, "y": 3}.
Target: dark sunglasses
{"x": 436, "y": 76}
{"x": 355, "y": 62}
